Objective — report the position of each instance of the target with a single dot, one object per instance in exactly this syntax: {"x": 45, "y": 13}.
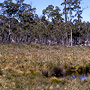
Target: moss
{"x": 57, "y": 80}
{"x": 83, "y": 69}
{"x": 80, "y": 69}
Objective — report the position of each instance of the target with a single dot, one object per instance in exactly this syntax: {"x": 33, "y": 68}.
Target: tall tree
{"x": 9, "y": 10}
{"x": 78, "y": 9}
{"x": 27, "y": 17}
{"x": 72, "y": 6}
{"x": 65, "y": 12}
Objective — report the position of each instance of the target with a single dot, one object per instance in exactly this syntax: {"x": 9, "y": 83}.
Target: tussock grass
{"x": 20, "y": 66}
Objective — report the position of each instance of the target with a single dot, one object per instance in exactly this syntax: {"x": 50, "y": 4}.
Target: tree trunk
{"x": 71, "y": 43}
{"x": 9, "y": 33}
{"x": 71, "y": 36}
{"x": 65, "y": 9}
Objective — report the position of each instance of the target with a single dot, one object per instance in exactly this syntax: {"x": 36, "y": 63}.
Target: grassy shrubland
{"x": 21, "y": 65}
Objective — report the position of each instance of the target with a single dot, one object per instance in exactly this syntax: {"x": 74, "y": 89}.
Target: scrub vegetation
{"x": 21, "y": 67}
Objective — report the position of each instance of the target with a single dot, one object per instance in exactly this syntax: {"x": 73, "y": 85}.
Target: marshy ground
{"x": 21, "y": 65}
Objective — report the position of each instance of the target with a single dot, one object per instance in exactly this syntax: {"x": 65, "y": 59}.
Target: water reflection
{"x": 82, "y": 77}
{"x": 73, "y": 76}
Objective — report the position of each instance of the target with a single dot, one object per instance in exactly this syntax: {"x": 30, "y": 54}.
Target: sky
{"x": 42, "y": 4}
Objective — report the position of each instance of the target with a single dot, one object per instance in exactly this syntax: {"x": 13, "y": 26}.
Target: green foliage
{"x": 57, "y": 80}
{"x": 19, "y": 23}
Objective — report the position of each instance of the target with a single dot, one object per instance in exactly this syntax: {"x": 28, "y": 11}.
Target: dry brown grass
{"x": 20, "y": 66}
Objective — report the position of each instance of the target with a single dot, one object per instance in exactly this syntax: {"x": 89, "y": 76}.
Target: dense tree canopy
{"x": 19, "y": 23}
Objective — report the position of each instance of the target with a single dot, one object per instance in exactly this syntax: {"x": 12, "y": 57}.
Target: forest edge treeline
{"x": 19, "y": 23}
